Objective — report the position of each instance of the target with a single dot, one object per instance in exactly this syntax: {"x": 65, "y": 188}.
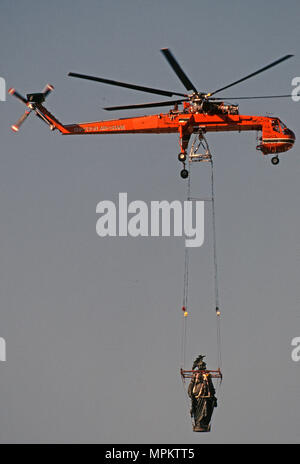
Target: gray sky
{"x": 93, "y": 325}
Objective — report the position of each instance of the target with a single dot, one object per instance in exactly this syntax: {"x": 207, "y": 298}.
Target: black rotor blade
{"x": 180, "y": 73}
{"x": 274, "y": 63}
{"x": 144, "y": 105}
{"x": 140, "y": 88}
{"x": 251, "y": 98}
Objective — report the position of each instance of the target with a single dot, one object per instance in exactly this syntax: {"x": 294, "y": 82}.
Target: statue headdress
{"x": 198, "y": 361}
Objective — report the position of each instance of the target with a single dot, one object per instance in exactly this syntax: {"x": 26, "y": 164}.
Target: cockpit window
{"x": 284, "y": 129}
{"x": 275, "y": 125}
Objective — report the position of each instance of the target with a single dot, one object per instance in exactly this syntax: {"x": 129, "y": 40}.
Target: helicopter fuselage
{"x": 276, "y": 137}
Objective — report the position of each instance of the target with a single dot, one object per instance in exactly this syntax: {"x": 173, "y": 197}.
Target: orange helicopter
{"x": 201, "y": 113}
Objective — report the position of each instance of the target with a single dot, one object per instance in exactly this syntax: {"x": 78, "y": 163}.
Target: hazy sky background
{"x": 93, "y": 325}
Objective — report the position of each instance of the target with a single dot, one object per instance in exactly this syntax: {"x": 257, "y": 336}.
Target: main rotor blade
{"x": 251, "y": 98}
{"x": 274, "y": 63}
{"x": 144, "y": 105}
{"x": 140, "y": 88}
{"x": 178, "y": 70}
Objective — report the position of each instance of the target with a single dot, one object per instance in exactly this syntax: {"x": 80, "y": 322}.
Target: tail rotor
{"x": 32, "y": 100}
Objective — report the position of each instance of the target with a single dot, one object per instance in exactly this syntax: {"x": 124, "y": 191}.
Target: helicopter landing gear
{"x": 184, "y": 173}
{"x": 182, "y": 157}
{"x": 275, "y": 160}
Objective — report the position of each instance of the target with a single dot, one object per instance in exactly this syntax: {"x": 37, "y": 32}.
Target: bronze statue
{"x": 202, "y": 394}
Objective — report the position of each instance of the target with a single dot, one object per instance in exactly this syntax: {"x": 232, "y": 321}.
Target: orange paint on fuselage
{"x": 276, "y": 137}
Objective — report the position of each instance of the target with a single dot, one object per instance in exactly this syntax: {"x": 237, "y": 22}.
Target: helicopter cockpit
{"x": 276, "y": 138}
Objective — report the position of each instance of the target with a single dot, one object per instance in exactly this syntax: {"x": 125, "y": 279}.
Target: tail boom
{"x": 50, "y": 119}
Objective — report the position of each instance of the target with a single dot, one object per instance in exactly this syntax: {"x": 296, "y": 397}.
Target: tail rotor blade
{"x": 48, "y": 89}
{"x": 16, "y": 127}
{"x": 16, "y": 94}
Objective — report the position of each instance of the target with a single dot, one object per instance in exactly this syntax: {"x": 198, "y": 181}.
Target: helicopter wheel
{"x": 184, "y": 173}
{"x": 182, "y": 157}
{"x": 275, "y": 160}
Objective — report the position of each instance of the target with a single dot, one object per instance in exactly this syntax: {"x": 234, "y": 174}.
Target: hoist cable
{"x": 207, "y": 157}
{"x": 185, "y": 289}
{"x": 216, "y": 282}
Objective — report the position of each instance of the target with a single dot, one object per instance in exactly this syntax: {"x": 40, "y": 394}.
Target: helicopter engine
{"x": 228, "y": 109}
{"x": 209, "y": 107}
